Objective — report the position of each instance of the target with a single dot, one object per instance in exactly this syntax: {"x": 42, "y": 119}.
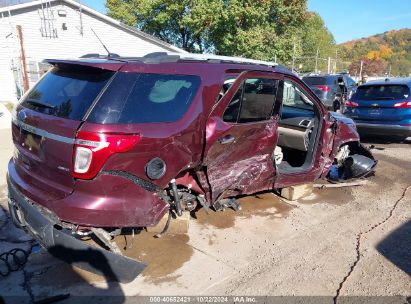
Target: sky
{"x": 346, "y": 19}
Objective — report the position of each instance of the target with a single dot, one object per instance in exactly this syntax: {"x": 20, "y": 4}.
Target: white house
{"x": 31, "y": 31}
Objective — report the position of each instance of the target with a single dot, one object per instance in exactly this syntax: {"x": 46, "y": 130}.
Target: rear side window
{"x": 145, "y": 98}
{"x": 67, "y": 93}
{"x": 311, "y": 81}
{"x": 382, "y": 92}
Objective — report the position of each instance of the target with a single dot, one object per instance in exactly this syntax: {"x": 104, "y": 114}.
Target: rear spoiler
{"x": 104, "y": 64}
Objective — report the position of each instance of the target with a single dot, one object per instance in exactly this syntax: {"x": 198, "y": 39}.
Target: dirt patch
{"x": 333, "y": 196}
{"x": 3, "y": 192}
{"x": 212, "y": 239}
{"x": 162, "y": 255}
{"x": 389, "y": 171}
{"x": 265, "y": 204}
{"x": 392, "y": 164}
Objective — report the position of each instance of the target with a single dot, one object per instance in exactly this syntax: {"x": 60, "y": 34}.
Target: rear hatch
{"x": 379, "y": 102}
{"x": 320, "y": 85}
{"x": 45, "y": 125}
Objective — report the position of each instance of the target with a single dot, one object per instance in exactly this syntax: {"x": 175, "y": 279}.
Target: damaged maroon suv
{"x": 108, "y": 145}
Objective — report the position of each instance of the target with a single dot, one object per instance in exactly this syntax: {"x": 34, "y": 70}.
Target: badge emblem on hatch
{"x": 22, "y": 115}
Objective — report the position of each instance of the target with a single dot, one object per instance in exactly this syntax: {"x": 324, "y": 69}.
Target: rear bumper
{"x": 63, "y": 245}
{"x": 109, "y": 200}
{"x": 380, "y": 129}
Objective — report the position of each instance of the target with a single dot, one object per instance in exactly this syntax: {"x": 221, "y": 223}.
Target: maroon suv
{"x": 105, "y": 145}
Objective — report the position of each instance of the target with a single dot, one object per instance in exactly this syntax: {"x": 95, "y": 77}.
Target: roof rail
{"x": 96, "y": 55}
{"x": 173, "y": 57}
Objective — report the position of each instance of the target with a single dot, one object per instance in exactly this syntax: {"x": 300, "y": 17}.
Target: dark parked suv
{"x": 333, "y": 90}
{"x": 109, "y": 146}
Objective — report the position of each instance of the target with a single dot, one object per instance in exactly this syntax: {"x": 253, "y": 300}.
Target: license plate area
{"x": 30, "y": 141}
{"x": 375, "y": 112}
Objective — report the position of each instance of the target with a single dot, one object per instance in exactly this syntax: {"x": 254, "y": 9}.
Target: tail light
{"x": 351, "y": 104}
{"x": 91, "y": 150}
{"x": 403, "y": 105}
{"x": 323, "y": 88}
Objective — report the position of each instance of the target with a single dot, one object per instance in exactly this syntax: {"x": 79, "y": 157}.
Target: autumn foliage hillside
{"x": 387, "y": 53}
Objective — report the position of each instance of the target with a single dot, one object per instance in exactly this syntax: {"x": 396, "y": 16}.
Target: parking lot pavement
{"x": 350, "y": 241}
{"x": 6, "y": 149}
{"x": 5, "y": 117}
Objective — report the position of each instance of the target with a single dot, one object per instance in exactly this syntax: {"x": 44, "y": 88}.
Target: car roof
{"x": 114, "y": 61}
{"x": 403, "y": 81}
{"x": 327, "y": 75}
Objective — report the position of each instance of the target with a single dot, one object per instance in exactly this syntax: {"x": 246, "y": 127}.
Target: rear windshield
{"x": 311, "y": 81}
{"x": 382, "y": 92}
{"x": 67, "y": 93}
{"x": 145, "y": 98}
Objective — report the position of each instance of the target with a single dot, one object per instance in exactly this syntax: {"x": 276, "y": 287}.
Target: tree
{"x": 371, "y": 67}
{"x": 260, "y": 29}
{"x": 316, "y": 36}
{"x": 183, "y": 23}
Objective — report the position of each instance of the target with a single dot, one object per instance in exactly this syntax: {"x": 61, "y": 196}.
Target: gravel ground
{"x": 336, "y": 242}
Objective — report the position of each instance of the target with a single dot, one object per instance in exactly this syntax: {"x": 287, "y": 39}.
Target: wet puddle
{"x": 162, "y": 255}
{"x": 265, "y": 204}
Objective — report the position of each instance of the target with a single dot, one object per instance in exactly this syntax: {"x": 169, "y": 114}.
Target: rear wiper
{"x": 40, "y": 103}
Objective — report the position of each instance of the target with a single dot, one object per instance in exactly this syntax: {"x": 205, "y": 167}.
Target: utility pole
{"x": 329, "y": 65}
{"x": 316, "y": 60}
{"x": 362, "y": 62}
{"x": 336, "y": 55}
{"x": 389, "y": 71}
{"x": 23, "y": 58}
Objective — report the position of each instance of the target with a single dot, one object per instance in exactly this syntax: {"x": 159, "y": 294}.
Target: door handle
{"x": 228, "y": 139}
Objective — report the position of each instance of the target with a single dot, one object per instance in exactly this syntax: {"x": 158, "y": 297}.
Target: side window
{"x": 294, "y": 97}
{"x": 231, "y": 113}
{"x": 258, "y": 99}
{"x": 145, "y": 98}
{"x": 254, "y": 101}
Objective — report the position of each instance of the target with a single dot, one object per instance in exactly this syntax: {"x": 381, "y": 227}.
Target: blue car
{"x": 382, "y": 108}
